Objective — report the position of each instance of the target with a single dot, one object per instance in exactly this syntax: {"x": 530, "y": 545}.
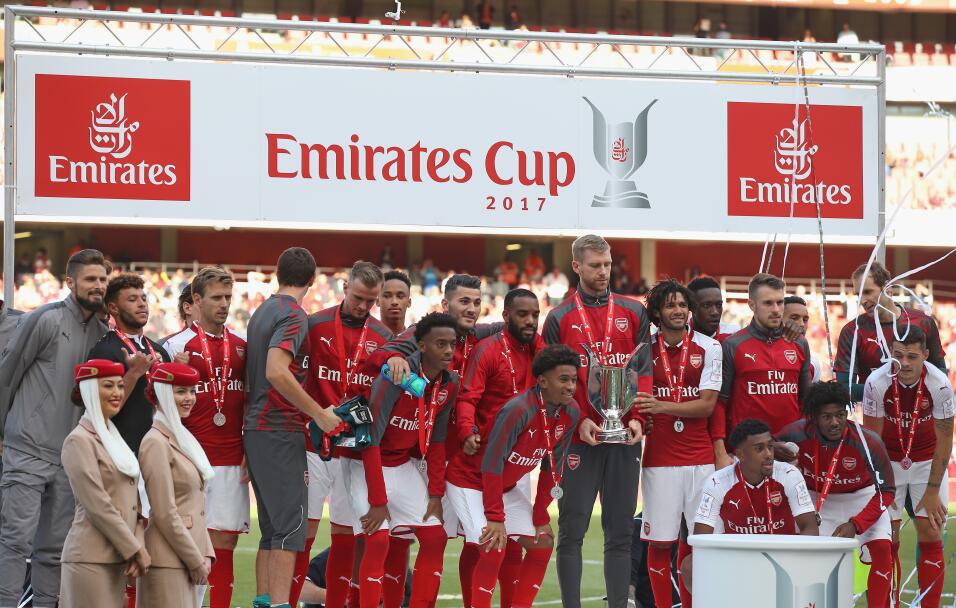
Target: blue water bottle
{"x": 414, "y": 385}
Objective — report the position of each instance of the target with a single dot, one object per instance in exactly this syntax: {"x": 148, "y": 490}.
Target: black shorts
{"x": 279, "y": 474}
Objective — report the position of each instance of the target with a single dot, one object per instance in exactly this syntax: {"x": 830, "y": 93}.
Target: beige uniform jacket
{"x": 107, "y": 528}
{"x": 176, "y": 536}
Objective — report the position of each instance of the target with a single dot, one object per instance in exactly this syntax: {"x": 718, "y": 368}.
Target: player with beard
{"x": 869, "y": 352}
{"x": 395, "y": 299}
{"x": 678, "y": 454}
{"x": 850, "y": 478}
{"x": 500, "y": 369}
{"x": 613, "y": 327}
{"x": 765, "y": 375}
{"x": 909, "y": 402}
{"x": 741, "y": 498}
{"x": 36, "y": 371}
{"x": 397, "y": 483}
{"x": 796, "y": 313}
{"x": 534, "y": 429}
{"x": 341, "y": 337}
{"x": 126, "y": 344}
{"x": 218, "y": 354}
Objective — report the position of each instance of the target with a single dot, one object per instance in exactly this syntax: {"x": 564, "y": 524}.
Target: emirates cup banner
{"x": 196, "y": 143}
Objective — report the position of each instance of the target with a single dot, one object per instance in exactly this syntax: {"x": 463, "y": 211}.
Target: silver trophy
{"x": 611, "y": 391}
{"x": 620, "y": 149}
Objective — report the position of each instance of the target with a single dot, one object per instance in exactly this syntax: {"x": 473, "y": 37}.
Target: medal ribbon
{"x": 555, "y": 476}
{"x": 677, "y": 390}
{"x": 132, "y": 347}
{"x": 587, "y": 326}
{"x": 218, "y": 389}
{"x": 913, "y": 420}
{"x": 831, "y": 470}
{"x": 346, "y": 365}
{"x": 466, "y": 350}
{"x": 766, "y": 482}
{"x": 427, "y": 425}
{"x": 511, "y": 367}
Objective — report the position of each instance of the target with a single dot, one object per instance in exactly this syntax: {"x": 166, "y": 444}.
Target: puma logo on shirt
{"x": 750, "y": 356}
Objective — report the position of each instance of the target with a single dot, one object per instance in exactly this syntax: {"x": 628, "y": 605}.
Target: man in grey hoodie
{"x": 36, "y": 381}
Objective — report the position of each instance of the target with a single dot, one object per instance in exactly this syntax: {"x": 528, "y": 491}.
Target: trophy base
{"x": 621, "y": 195}
{"x": 615, "y": 436}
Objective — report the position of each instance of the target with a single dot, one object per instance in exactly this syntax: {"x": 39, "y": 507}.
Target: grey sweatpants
{"x": 37, "y": 513}
{"x": 613, "y": 473}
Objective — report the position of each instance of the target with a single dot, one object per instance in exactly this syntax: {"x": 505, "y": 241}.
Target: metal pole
{"x": 881, "y": 156}
{"x": 9, "y": 175}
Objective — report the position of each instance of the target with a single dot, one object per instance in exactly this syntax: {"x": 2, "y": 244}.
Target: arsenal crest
{"x": 696, "y": 361}
{"x": 647, "y": 527}
{"x": 558, "y": 431}
{"x": 790, "y": 356}
{"x": 924, "y": 404}
{"x": 370, "y": 347}
{"x": 442, "y": 396}
{"x": 776, "y": 498}
{"x": 849, "y": 463}
{"x": 621, "y": 324}
{"x": 573, "y": 461}
{"x": 241, "y": 351}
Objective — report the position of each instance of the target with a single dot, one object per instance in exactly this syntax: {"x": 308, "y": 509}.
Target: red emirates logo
{"x": 113, "y": 138}
{"x": 773, "y": 161}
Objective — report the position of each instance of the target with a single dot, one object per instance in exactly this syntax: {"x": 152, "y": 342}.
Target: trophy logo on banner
{"x": 611, "y": 391}
{"x": 620, "y": 149}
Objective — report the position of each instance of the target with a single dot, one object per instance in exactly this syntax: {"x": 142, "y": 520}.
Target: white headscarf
{"x": 123, "y": 457}
{"x": 168, "y": 415}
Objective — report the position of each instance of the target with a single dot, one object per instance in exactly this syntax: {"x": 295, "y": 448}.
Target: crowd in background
{"x": 39, "y": 286}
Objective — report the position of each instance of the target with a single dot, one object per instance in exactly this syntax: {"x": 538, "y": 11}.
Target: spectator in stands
{"x": 723, "y": 32}
{"x": 507, "y": 272}
{"x": 445, "y": 20}
{"x": 465, "y": 21}
{"x": 513, "y": 20}
{"x": 556, "y": 284}
{"x": 534, "y": 267}
{"x": 808, "y": 35}
{"x": 847, "y": 36}
{"x": 486, "y": 14}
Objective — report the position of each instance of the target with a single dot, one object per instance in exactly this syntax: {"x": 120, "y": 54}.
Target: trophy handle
{"x": 630, "y": 378}
{"x": 595, "y": 377}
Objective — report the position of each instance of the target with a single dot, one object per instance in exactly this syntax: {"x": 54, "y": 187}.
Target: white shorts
{"x": 326, "y": 482}
{"x": 839, "y": 508}
{"x": 669, "y": 494}
{"x": 913, "y": 482}
{"x": 470, "y": 508}
{"x": 227, "y": 501}
{"x": 407, "y": 493}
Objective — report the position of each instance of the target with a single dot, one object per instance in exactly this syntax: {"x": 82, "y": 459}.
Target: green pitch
{"x": 592, "y": 585}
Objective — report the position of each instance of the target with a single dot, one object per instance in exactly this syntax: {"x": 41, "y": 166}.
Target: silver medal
{"x": 679, "y": 426}
{"x": 219, "y": 419}
{"x": 557, "y": 492}
{"x": 906, "y": 463}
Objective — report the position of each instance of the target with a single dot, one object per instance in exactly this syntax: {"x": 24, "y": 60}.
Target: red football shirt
{"x": 664, "y": 446}
{"x": 222, "y": 444}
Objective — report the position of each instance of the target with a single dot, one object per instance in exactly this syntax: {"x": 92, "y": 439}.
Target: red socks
{"x": 338, "y": 571}
{"x": 396, "y": 567}
{"x": 683, "y": 550}
{"x": 221, "y": 579}
{"x": 372, "y": 570}
{"x": 531, "y": 574}
{"x": 881, "y": 574}
{"x": 508, "y": 573}
{"x": 131, "y": 596}
{"x": 930, "y": 572}
{"x": 466, "y": 570}
{"x": 485, "y": 577}
{"x": 426, "y": 578}
{"x": 298, "y": 574}
{"x": 659, "y": 571}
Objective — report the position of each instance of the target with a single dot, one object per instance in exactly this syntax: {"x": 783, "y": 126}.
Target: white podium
{"x": 762, "y": 571}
